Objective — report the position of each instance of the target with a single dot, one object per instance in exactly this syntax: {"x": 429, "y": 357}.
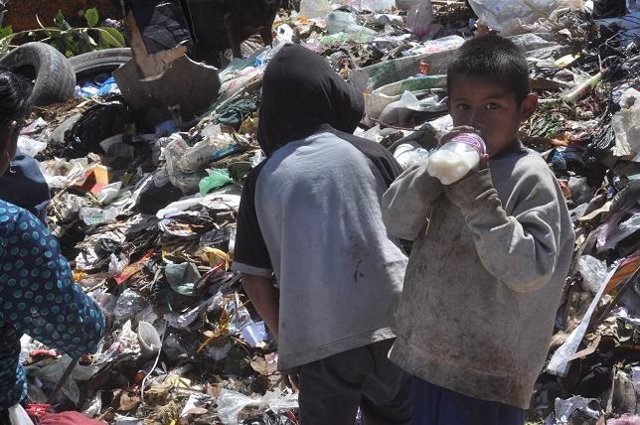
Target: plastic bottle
{"x": 453, "y": 160}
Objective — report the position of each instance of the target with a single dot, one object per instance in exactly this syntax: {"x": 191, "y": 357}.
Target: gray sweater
{"x": 485, "y": 275}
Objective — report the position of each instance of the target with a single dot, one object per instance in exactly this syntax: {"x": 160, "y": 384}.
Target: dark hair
{"x": 495, "y": 58}
{"x": 14, "y": 98}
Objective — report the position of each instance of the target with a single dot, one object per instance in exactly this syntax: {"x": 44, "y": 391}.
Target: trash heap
{"x": 147, "y": 216}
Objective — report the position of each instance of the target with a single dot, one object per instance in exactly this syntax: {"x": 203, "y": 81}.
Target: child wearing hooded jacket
{"x": 310, "y": 215}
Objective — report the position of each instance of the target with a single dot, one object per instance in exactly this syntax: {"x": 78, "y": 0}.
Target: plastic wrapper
{"x": 129, "y": 304}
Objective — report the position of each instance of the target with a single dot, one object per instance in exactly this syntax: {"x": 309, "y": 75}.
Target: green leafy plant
{"x": 67, "y": 39}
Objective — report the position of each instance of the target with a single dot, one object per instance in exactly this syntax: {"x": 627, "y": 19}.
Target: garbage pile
{"x": 147, "y": 216}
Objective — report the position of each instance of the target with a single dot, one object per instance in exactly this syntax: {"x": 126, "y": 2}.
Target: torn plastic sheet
{"x": 255, "y": 334}
{"x": 565, "y": 409}
{"x": 593, "y": 271}
{"x": 231, "y": 403}
{"x": 183, "y": 278}
{"x": 224, "y": 199}
{"x": 196, "y": 401}
{"x": 611, "y": 232}
{"x": 559, "y": 363}
{"x": 30, "y": 146}
{"x": 521, "y": 15}
{"x": 185, "y": 319}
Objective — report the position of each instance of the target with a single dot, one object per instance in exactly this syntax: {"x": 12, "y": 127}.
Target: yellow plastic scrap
{"x": 215, "y": 256}
{"x": 78, "y": 275}
{"x": 221, "y": 330}
{"x": 177, "y": 381}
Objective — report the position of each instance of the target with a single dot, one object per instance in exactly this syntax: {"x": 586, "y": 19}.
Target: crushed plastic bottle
{"x": 453, "y": 160}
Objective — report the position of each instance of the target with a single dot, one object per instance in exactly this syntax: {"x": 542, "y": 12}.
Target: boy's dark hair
{"x": 495, "y": 58}
{"x": 14, "y": 98}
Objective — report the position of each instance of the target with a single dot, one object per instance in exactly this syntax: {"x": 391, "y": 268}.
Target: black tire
{"x": 53, "y": 77}
{"x": 93, "y": 63}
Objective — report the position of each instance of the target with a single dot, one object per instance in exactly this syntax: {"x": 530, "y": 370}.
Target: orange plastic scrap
{"x": 132, "y": 269}
{"x": 625, "y": 269}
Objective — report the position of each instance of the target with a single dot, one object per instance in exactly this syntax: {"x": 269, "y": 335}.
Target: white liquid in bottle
{"x": 453, "y": 160}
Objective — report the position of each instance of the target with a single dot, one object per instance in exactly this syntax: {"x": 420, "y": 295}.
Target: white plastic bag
{"x": 231, "y": 403}
{"x": 18, "y": 416}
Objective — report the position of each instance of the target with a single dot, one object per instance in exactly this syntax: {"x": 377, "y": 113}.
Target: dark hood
{"x": 300, "y": 92}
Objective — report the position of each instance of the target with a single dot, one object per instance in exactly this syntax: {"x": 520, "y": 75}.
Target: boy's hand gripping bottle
{"x": 453, "y": 160}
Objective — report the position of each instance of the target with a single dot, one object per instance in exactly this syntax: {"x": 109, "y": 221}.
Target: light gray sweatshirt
{"x": 485, "y": 275}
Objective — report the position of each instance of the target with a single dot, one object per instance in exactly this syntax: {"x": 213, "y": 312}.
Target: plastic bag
{"x": 589, "y": 407}
{"x": 30, "y": 146}
{"x": 206, "y": 151}
{"x": 314, "y": 9}
{"x": 18, "y": 416}
{"x": 129, "y": 304}
{"x": 216, "y": 179}
{"x": 338, "y": 22}
{"x": 94, "y": 216}
{"x": 594, "y": 272}
{"x": 626, "y": 125}
{"x": 231, "y": 403}
{"x": 109, "y": 193}
{"x": 520, "y": 16}
{"x": 183, "y": 278}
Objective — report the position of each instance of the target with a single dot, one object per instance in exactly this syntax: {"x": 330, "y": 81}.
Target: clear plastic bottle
{"x": 453, "y": 160}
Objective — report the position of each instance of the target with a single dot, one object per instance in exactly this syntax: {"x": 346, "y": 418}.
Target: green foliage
{"x": 91, "y": 15}
{"x": 67, "y": 39}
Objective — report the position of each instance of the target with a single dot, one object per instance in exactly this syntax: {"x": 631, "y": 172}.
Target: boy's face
{"x": 490, "y": 108}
